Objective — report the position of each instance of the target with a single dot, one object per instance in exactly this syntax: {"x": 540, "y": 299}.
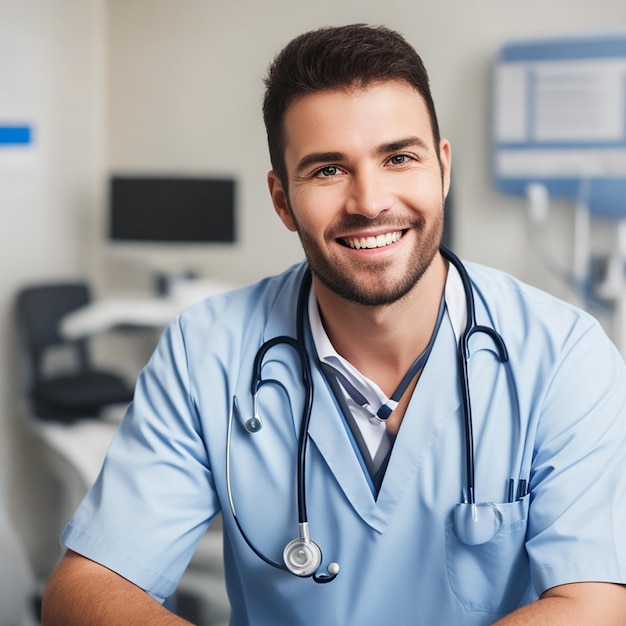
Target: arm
{"x": 578, "y": 489}
{"x": 149, "y": 506}
{"x": 576, "y": 603}
{"x": 81, "y": 591}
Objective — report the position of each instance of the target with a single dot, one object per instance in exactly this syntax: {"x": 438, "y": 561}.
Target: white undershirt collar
{"x": 373, "y": 430}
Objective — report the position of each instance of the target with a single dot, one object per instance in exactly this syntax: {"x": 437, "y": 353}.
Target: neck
{"x": 382, "y": 342}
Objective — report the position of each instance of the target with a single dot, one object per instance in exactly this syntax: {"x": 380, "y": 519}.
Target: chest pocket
{"x": 495, "y": 576}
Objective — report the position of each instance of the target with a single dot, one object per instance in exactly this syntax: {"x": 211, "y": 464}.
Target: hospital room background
{"x": 162, "y": 87}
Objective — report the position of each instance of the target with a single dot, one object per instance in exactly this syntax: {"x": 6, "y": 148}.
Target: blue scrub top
{"x": 554, "y": 416}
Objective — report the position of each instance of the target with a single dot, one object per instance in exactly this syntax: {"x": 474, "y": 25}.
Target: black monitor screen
{"x": 172, "y": 209}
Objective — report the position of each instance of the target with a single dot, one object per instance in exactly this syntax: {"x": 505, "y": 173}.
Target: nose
{"x": 369, "y": 195}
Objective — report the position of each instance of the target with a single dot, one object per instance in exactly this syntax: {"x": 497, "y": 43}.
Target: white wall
{"x": 160, "y": 85}
{"x": 51, "y": 75}
{"x": 186, "y": 88}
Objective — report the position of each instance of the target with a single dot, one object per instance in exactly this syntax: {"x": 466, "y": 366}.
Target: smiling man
{"x": 390, "y": 435}
{"x": 370, "y": 215}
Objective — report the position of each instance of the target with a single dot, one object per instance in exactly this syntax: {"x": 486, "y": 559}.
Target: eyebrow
{"x": 401, "y": 144}
{"x": 315, "y": 158}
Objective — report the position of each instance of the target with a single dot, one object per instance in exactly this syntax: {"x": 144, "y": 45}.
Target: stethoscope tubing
{"x": 307, "y": 382}
{"x": 235, "y": 409}
{"x": 307, "y": 378}
{"x": 299, "y": 346}
{"x": 471, "y": 327}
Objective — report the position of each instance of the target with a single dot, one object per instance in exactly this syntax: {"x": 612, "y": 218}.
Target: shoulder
{"x": 214, "y": 335}
{"x": 505, "y": 295}
{"x": 560, "y": 356}
{"x": 243, "y": 309}
{"x": 533, "y": 323}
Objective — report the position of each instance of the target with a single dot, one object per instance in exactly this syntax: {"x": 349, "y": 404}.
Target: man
{"x": 337, "y": 412}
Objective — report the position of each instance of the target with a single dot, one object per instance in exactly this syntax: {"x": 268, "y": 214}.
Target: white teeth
{"x": 373, "y": 242}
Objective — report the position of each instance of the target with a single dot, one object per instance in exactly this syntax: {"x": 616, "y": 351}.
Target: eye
{"x": 328, "y": 171}
{"x": 399, "y": 159}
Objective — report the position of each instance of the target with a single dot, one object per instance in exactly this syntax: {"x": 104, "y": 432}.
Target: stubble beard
{"x": 368, "y": 285}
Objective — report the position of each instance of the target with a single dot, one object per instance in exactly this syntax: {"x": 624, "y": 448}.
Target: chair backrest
{"x": 40, "y": 309}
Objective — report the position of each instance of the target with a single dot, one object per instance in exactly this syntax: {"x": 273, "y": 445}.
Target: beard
{"x": 370, "y": 284}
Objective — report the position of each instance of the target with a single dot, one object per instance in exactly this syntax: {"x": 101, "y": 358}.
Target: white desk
{"x": 152, "y": 312}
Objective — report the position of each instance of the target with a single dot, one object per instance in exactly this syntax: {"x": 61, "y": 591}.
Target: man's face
{"x": 366, "y": 188}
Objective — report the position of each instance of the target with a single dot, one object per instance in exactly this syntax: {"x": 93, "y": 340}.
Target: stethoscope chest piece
{"x": 476, "y": 523}
{"x": 302, "y": 556}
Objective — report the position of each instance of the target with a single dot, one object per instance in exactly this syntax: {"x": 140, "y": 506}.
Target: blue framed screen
{"x": 559, "y": 118}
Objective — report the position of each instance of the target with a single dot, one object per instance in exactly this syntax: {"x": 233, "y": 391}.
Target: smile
{"x": 379, "y": 241}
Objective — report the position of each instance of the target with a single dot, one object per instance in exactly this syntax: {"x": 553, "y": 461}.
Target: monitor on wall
{"x": 171, "y": 209}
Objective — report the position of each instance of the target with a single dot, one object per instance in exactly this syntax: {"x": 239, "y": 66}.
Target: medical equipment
{"x": 558, "y": 132}
{"x": 474, "y": 523}
{"x": 559, "y": 110}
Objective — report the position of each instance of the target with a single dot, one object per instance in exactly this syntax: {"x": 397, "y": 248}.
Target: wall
{"x": 51, "y": 74}
{"x": 147, "y": 85}
{"x": 186, "y": 88}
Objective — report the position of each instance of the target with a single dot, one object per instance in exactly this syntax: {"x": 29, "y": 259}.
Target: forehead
{"x": 355, "y": 119}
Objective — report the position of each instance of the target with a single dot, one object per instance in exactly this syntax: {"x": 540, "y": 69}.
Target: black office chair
{"x": 72, "y": 394}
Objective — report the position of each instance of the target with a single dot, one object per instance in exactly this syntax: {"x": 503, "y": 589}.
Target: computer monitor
{"x": 171, "y": 225}
{"x": 171, "y": 209}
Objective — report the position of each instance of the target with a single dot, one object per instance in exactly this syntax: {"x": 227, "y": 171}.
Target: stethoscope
{"x": 474, "y": 522}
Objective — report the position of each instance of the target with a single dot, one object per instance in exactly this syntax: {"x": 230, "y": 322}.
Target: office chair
{"x": 64, "y": 397}
{"x": 71, "y": 394}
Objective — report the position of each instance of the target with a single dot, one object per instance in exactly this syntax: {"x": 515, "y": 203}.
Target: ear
{"x": 279, "y": 200}
{"x": 445, "y": 158}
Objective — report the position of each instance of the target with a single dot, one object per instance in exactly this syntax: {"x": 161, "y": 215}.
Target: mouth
{"x": 378, "y": 241}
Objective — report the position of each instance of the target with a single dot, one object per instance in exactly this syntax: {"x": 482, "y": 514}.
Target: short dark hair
{"x": 339, "y": 57}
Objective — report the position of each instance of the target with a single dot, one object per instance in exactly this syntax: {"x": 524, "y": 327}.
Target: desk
{"x": 148, "y": 312}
